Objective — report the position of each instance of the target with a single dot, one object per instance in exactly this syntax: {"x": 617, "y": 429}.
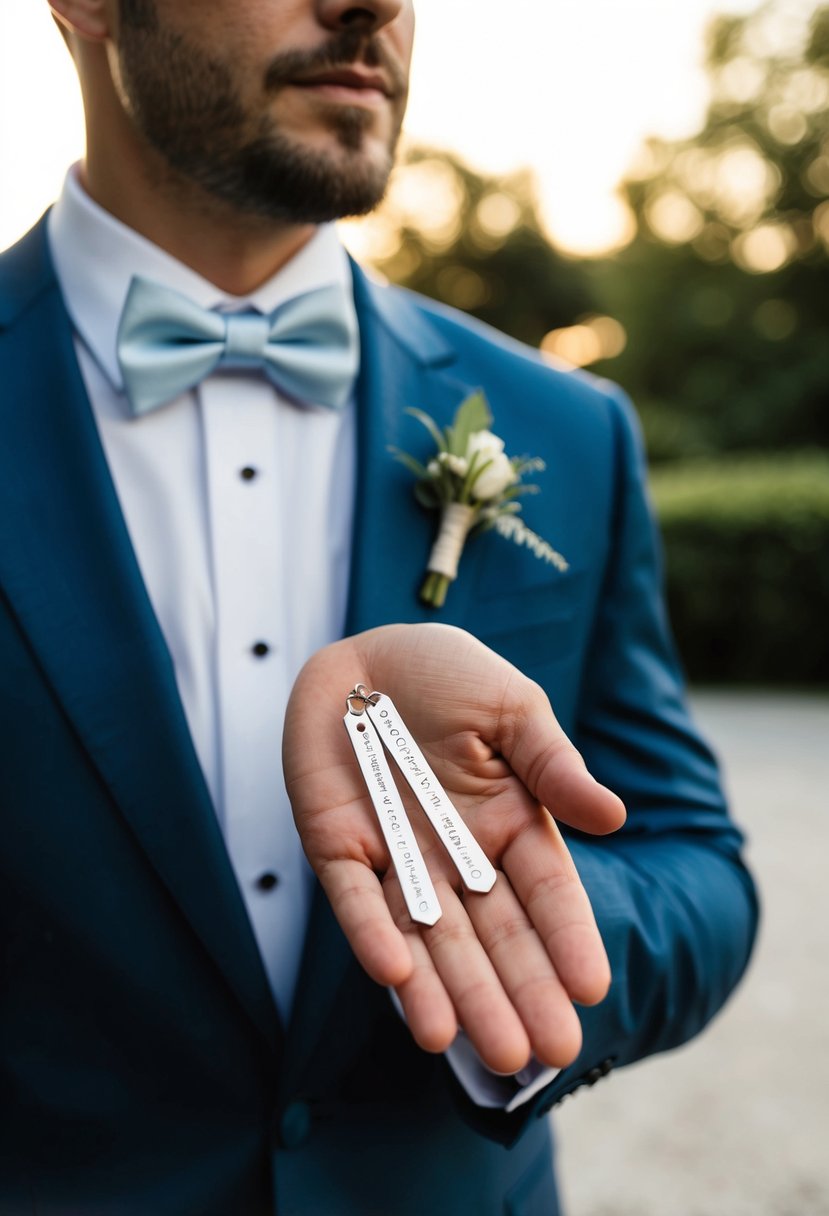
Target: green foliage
{"x": 456, "y": 469}
{"x": 724, "y": 291}
{"x": 746, "y": 544}
{"x": 481, "y": 248}
{"x": 724, "y": 298}
{"x": 473, "y": 415}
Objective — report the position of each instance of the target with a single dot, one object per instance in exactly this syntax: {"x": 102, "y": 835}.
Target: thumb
{"x": 541, "y": 755}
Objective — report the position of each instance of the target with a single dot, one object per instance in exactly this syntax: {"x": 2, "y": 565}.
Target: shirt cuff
{"x": 483, "y": 1086}
{"x": 489, "y": 1089}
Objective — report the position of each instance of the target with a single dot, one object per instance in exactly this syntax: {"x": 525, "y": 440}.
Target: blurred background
{"x": 641, "y": 189}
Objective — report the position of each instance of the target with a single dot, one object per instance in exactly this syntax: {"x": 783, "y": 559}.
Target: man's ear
{"x": 89, "y": 19}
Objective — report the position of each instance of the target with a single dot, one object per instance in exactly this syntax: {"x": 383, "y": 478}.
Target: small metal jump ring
{"x": 362, "y": 695}
{"x": 355, "y": 695}
{"x": 370, "y": 698}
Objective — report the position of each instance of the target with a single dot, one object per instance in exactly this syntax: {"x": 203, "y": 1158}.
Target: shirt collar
{"x": 96, "y": 257}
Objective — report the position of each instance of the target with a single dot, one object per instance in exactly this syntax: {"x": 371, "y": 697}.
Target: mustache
{"x": 343, "y": 51}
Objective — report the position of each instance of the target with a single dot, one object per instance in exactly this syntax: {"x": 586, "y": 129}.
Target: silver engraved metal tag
{"x": 470, "y": 860}
{"x": 421, "y": 897}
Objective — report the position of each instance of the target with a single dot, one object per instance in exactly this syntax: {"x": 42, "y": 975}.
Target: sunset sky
{"x": 567, "y": 87}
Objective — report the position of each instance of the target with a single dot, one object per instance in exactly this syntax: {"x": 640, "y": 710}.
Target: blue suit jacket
{"x": 143, "y": 1065}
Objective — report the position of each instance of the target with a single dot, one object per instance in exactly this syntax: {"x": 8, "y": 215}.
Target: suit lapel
{"x": 405, "y": 363}
{"x": 69, "y": 571}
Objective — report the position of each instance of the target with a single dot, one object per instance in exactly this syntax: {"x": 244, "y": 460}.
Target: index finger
{"x": 358, "y": 902}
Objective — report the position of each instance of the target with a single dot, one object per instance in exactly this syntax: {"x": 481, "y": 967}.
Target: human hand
{"x": 508, "y": 965}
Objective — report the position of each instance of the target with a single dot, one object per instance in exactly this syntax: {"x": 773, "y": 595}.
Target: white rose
{"x": 486, "y": 443}
{"x": 455, "y": 464}
{"x": 498, "y": 474}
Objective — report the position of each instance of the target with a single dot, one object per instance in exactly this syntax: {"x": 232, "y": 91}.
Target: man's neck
{"x": 236, "y": 254}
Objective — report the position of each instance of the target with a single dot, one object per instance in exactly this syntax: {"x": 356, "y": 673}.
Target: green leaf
{"x": 448, "y": 488}
{"x": 414, "y": 466}
{"x": 473, "y": 415}
{"x": 428, "y": 494}
{"x": 475, "y": 471}
{"x": 517, "y": 491}
{"x": 431, "y": 426}
{"x": 528, "y": 464}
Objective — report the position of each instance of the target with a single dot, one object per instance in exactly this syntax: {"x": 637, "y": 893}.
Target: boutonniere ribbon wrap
{"x": 475, "y": 487}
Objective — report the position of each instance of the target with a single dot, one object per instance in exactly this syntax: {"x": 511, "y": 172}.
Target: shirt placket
{"x": 240, "y": 416}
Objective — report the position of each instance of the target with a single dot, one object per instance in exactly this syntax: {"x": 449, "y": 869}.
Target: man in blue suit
{"x": 187, "y": 515}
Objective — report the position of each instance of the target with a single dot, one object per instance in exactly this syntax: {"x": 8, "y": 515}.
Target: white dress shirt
{"x": 226, "y": 492}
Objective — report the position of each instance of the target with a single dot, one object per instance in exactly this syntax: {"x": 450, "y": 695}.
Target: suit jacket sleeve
{"x": 676, "y": 907}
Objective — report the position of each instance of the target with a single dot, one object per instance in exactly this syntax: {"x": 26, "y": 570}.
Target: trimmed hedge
{"x": 747, "y": 563}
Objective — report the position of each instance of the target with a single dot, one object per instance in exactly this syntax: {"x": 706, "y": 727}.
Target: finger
{"x": 358, "y": 902}
{"x": 482, "y": 1006}
{"x": 544, "y": 878}
{"x": 552, "y": 769}
{"x": 427, "y": 1006}
{"x": 526, "y": 973}
{"x": 312, "y": 738}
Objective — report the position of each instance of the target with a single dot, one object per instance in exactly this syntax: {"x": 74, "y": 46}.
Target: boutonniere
{"x": 475, "y": 486}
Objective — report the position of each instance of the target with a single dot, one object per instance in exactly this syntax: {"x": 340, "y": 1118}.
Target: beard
{"x": 187, "y": 105}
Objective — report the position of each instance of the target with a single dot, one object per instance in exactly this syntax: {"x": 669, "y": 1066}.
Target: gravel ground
{"x": 736, "y": 1123}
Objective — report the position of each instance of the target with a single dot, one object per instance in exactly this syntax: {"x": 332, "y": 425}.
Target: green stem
{"x": 434, "y": 589}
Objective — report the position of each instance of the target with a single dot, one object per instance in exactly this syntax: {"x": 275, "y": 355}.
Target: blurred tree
{"x": 724, "y": 292}
{"x": 476, "y": 242}
{"x": 715, "y": 318}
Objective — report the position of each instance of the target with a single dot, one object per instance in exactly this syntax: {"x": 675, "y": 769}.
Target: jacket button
{"x": 606, "y": 1066}
{"x": 295, "y": 1124}
{"x": 593, "y": 1076}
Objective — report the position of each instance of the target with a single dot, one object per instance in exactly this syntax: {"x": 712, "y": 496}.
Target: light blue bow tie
{"x": 308, "y": 347}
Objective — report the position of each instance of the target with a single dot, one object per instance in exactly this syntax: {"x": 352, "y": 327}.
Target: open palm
{"x": 506, "y": 966}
